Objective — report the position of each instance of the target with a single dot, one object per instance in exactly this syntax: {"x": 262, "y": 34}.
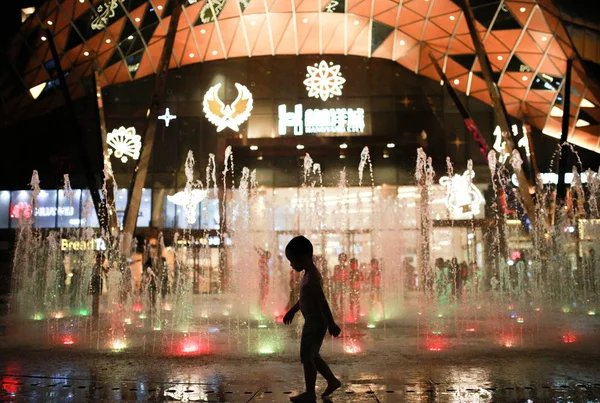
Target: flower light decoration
{"x": 463, "y": 199}
{"x": 324, "y": 80}
{"x": 188, "y": 200}
{"x": 125, "y": 143}
{"x": 231, "y": 116}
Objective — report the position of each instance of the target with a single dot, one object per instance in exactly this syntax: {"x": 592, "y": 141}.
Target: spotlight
{"x": 343, "y": 145}
{"x": 300, "y": 147}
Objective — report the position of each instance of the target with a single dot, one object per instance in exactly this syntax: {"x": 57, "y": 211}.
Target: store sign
{"x": 321, "y": 121}
{"x": 67, "y": 245}
{"x": 224, "y": 116}
{"x": 24, "y": 210}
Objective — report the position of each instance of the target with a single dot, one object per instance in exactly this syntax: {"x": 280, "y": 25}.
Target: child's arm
{"x": 289, "y": 316}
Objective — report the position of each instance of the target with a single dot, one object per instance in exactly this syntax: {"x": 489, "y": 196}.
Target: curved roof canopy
{"x": 525, "y": 40}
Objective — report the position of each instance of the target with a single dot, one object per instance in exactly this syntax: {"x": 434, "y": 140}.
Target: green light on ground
{"x": 262, "y": 326}
{"x": 440, "y": 315}
{"x": 592, "y": 312}
{"x": 38, "y": 316}
{"x": 157, "y": 328}
{"x": 437, "y": 332}
{"x": 266, "y": 350}
{"x": 566, "y": 309}
{"x": 84, "y": 312}
{"x": 143, "y": 316}
{"x": 127, "y": 321}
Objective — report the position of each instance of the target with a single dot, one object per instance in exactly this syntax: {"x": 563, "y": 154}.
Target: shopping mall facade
{"x": 249, "y": 75}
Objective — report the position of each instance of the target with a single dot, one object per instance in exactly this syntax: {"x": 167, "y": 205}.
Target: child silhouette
{"x": 317, "y": 319}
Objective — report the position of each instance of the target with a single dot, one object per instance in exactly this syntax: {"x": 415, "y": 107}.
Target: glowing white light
{"x": 522, "y": 9}
{"x": 108, "y": 41}
{"x": 125, "y": 143}
{"x": 581, "y": 123}
{"x": 324, "y": 81}
{"x": 524, "y": 78}
{"x": 391, "y": 145}
{"x": 587, "y": 104}
{"x": 356, "y": 22}
{"x": 49, "y": 22}
{"x": 343, "y": 145}
{"x": 43, "y": 38}
{"x": 300, "y": 147}
{"x": 137, "y": 19}
{"x": 556, "y": 112}
{"x": 452, "y": 18}
{"x": 86, "y": 53}
{"x": 544, "y": 38}
{"x": 160, "y": 7}
{"x": 402, "y": 42}
{"x": 231, "y": 116}
{"x": 463, "y": 199}
{"x": 305, "y": 20}
{"x": 37, "y": 90}
{"x": 203, "y": 31}
{"x": 500, "y": 57}
{"x": 167, "y": 117}
{"x": 339, "y": 120}
{"x": 551, "y": 178}
{"x": 182, "y": 198}
{"x": 456, "y": 81}
{"x": 214, "y": 52}
{"x": 253, "y": 148}
{"x": 106, "y": 11}
{"x": 192, "y": 55}
{"x": 130, "y": 37}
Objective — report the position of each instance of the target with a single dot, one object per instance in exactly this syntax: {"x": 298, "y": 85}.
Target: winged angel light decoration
{"x": 125, "y": 143}
{"x": 231, "y": 116}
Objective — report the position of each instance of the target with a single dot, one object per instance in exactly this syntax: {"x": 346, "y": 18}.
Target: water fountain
{"x": 502, "y": 295}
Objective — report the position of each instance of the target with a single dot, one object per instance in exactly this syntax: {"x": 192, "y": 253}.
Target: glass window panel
{"x": 45, "y": 210}
{"x": 170, "y": 211}
{"x": 209, "y": 212}
{"x": 4, "y": 208}
{"x": 145, "y": 213}
{"x": 121, "y": 205}
{"x": 88, "y": 212}
{"x": 69, "y": 209}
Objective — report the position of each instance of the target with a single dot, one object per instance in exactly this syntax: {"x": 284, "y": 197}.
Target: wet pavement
{"x": 569, "y": 373}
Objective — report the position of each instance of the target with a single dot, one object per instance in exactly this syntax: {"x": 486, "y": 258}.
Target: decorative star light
{"x": 167, "y": 117}
{"x": 188, "y": 199}
{"x": 330, "y": 8}
{"x": 125, "y": 143}
{"x": 324, "y": 81}
{"x": 222, "y": 115}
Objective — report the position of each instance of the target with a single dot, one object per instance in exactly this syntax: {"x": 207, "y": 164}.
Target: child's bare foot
{"x": 304, "y": 397}
{"x": 331, "y": 387}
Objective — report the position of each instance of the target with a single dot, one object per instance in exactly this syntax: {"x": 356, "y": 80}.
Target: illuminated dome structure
{"x": 526, "y": 43}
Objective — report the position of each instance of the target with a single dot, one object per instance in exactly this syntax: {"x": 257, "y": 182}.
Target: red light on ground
{"x": 352, "y": 347}
{"x": 68, "y": 340}
{"x": 137, "y": 307}
{"x": 190, "y": 347}
{"x": 569, "y": 338}
{"x": 436, "y": 343}
{"x": 279, "y": 319}
{"x": 470, "y": 329}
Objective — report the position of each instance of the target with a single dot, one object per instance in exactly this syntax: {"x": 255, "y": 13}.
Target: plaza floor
{"x": 569, "y": 373}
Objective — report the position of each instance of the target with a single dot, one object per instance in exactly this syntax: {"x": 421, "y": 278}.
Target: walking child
{"x": 317, "y": 319}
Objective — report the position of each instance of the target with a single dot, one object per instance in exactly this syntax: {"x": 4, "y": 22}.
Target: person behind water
{"x": 317, "y": 319}
{"x": 356, "y": 278}
{"x": 340, "y": 277}
{"x": 263, "y": 266}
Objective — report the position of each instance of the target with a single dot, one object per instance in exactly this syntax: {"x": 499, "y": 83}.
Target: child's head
{"x": 299, "y": 252}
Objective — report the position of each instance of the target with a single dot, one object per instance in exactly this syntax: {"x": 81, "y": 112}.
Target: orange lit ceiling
{"x": 526, "y": 43}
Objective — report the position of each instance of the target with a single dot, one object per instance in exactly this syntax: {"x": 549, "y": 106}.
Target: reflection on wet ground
{"x": 61, "y": 375}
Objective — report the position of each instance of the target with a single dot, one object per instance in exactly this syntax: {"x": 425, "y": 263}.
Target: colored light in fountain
{"x": 470, "y": 329}
{"x": 190, "y": 347}
{"x": 118, "y": 345}
{"x": 435, "y": 344}
{"x": 538, "y": 309}
{"x": 510, "y": 307}
{"x": 157, "y": 328}
{"x": 143, "y": 315}
{"x": 137, "y": 307}
{"x": 419, "y": 313}
{"x": 520, "y": 320}
{"x": 84, "y": 312}
{"x": 204, "y": 315}
{"x": 168, "y": 307}
{"x": 440, "y": 315}
{"x": 226, "y": 313}
{"x": 213, "y": 330}
{"x": 266, "y": 349}
{"x": 352, "y": 347}
{"x": 566, "y": 309}
{"x": 371, "y": 326}
{"x": 58, "y": 315}
{"x": 127, "y": 321}
{"x": 68, "y": 340}
{"x": 508, "y": 343}
{"x": 514, "y": 315}
{"x": 263, "y": 326}
{"x": 569, "y": 338}
{"x": 592, "y": 312}
{"x": 436, "y": 332}
{"x": 38, "y": 316}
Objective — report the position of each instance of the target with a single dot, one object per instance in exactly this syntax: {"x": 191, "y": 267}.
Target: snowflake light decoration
{"x": 324, "y": 81}
{"x": 125, "y": 143}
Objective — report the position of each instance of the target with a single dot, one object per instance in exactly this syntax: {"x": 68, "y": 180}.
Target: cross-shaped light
{"x": 167, "y": 117}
